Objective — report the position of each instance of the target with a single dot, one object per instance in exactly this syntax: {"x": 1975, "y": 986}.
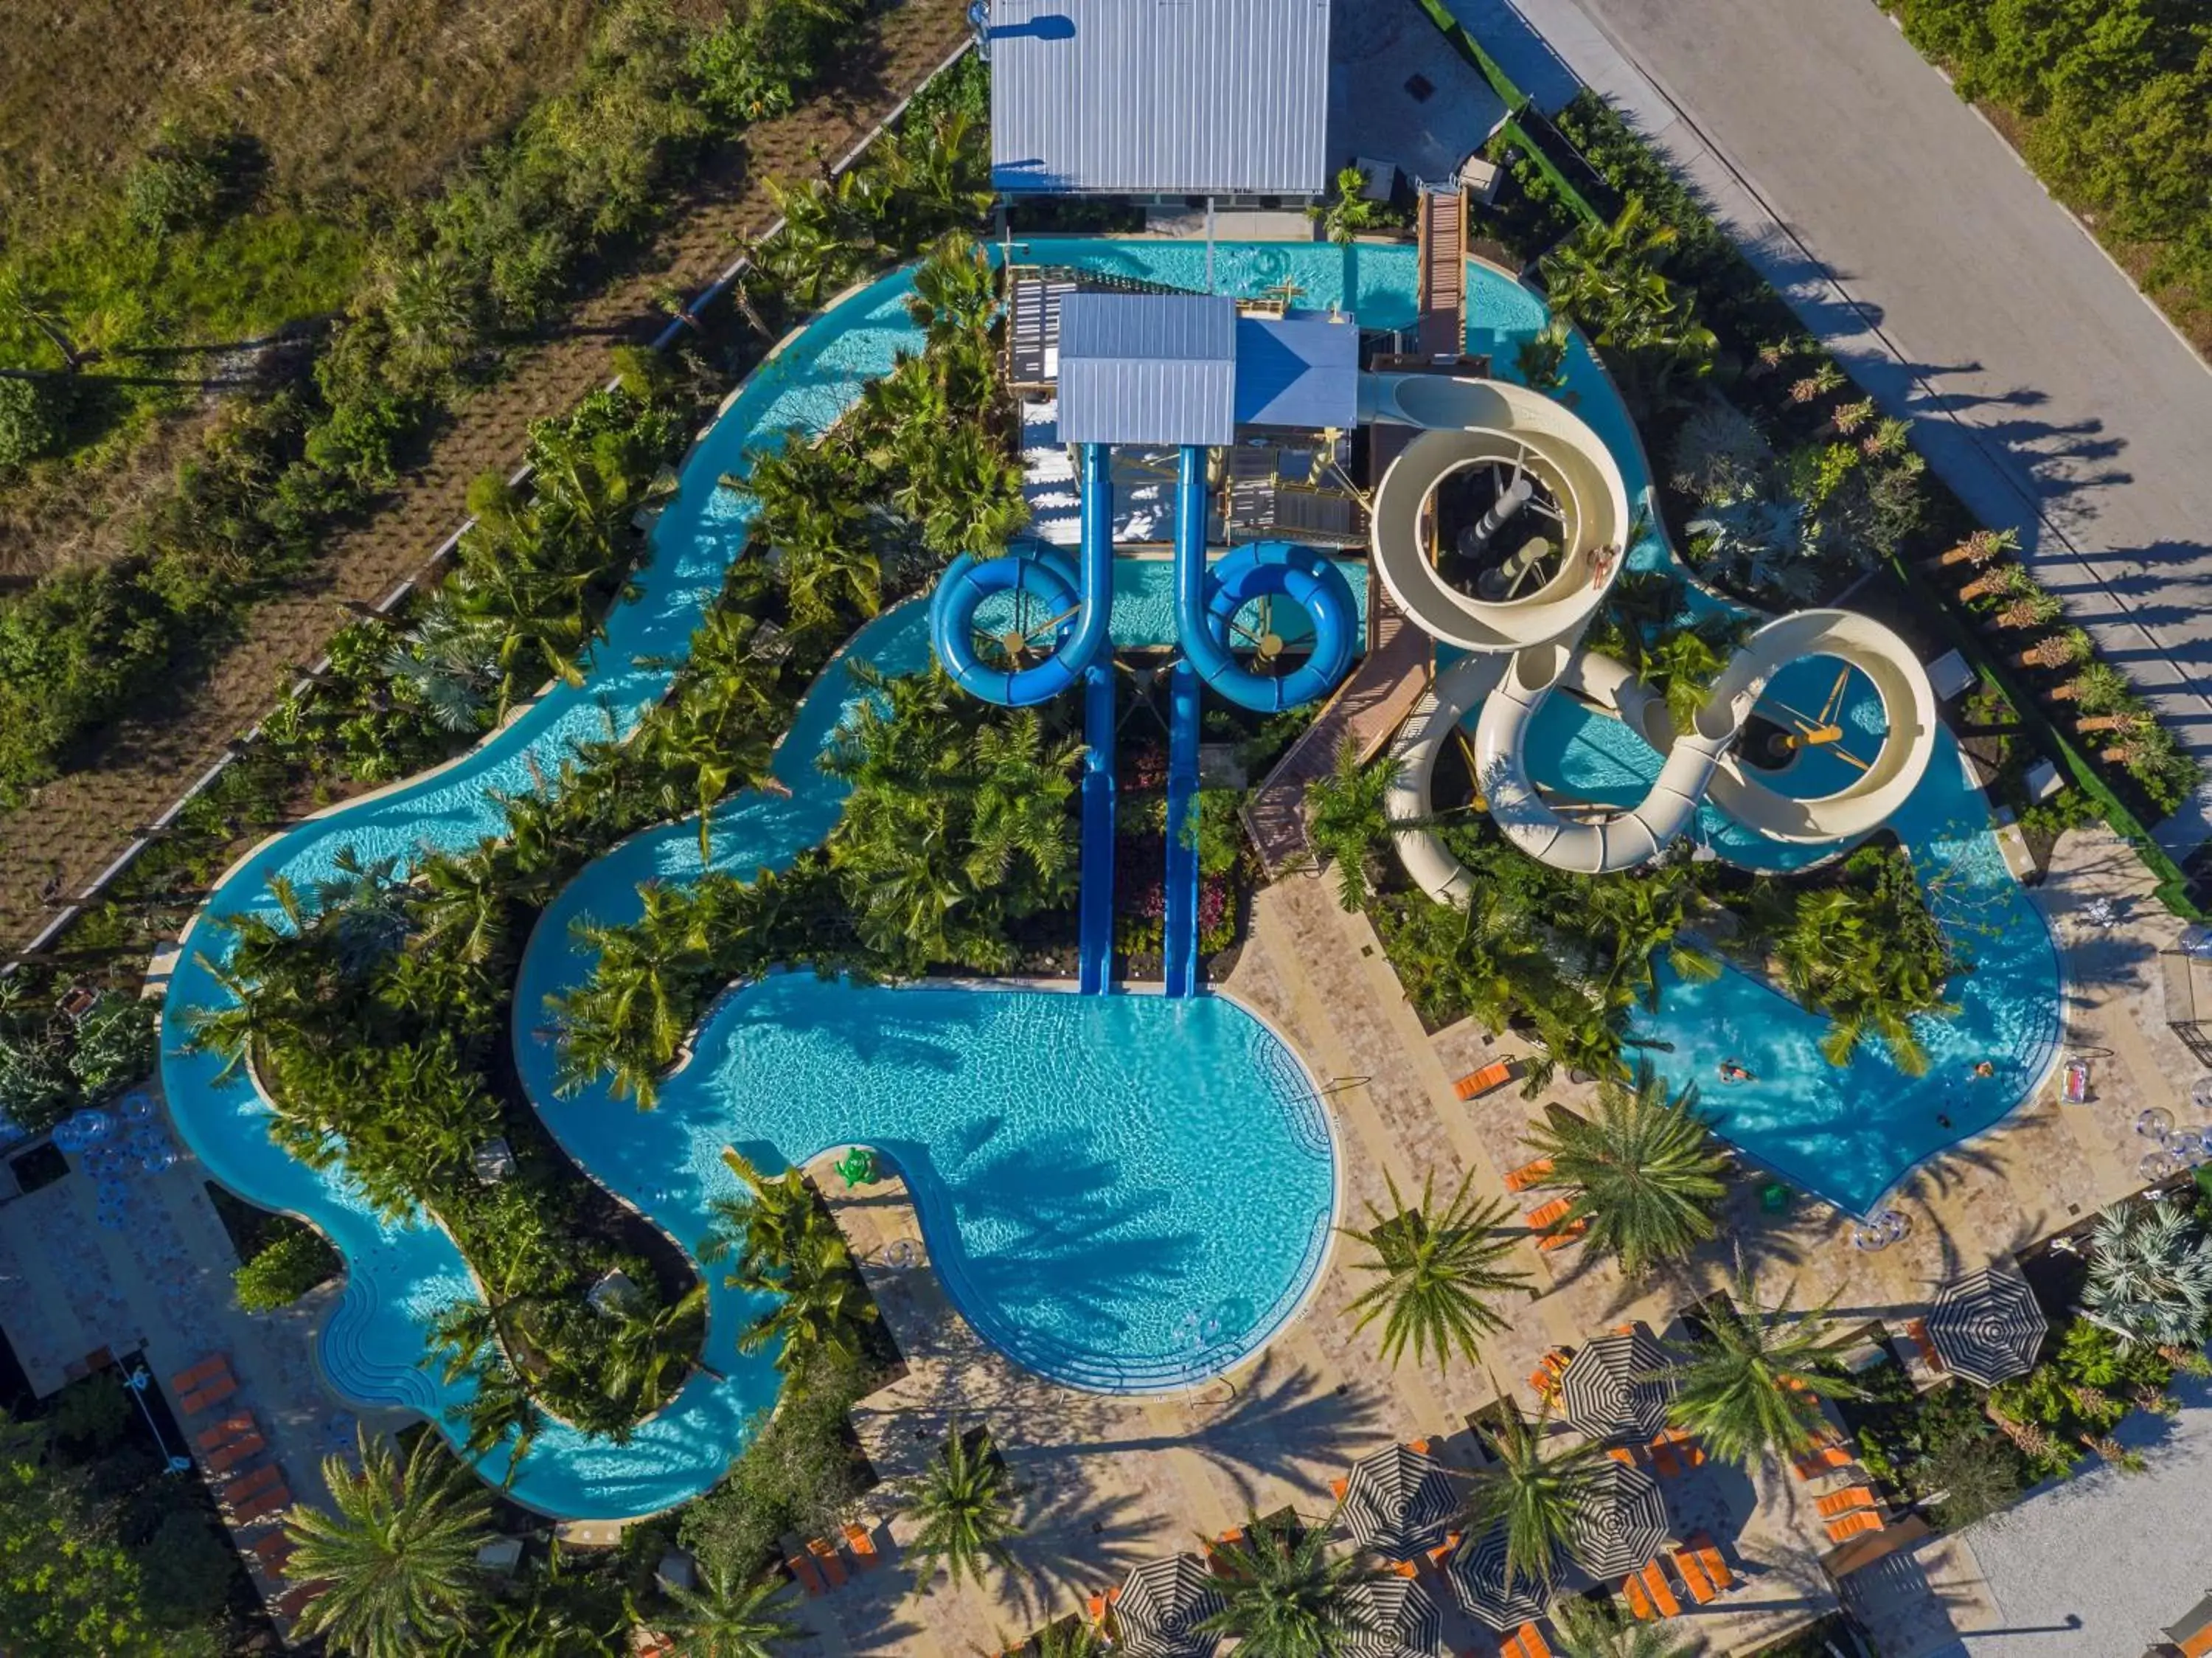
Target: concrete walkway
{"x": 1909, "y": 237}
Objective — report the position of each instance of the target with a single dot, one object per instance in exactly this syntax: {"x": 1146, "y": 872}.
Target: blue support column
{"x": 1181, "y": 949}
{"x": 1096, "y": 956}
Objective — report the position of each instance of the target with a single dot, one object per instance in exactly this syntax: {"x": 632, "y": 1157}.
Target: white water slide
{"x": 1525, "y": 645}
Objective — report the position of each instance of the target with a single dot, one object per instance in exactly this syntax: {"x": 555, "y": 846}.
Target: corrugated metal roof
{"x": 1298, "y": 371}
{"x": 1147, "y": 369}
{"x": 1177, "y": 97}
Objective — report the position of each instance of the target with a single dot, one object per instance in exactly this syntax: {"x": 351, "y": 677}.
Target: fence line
{"x": 444, "y": 550}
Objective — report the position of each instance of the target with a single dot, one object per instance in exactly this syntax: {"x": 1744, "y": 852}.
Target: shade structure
{"x": 1616, "y": 1387}
{"x": 1398, "y": 1502}
{"x": 1160, "y": 1607}
{"x": 1986, "y": 1327}
{"x": 1392, "y": 1617}
{"x": 1621, "y": 1523}
{"x": 1480, "y": 1584}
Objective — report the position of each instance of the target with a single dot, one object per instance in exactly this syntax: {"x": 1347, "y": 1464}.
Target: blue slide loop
{"x": 1036, "y": 570}
{"x": 1207, "y": 600}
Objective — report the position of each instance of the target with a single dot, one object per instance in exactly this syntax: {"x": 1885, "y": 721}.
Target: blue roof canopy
{"x": 1299, "y": 370}
{"x": 1167, "y": 97}
{"x": 1148, "y": 368}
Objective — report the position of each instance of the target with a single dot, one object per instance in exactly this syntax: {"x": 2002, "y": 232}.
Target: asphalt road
{"x": 1911, "y": 237}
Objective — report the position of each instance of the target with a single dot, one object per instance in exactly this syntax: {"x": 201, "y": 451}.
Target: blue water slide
{"x": 1206, "y": 603}
{"x": 1180, "y": 949}
{"x": 1095, "y": 950}
{"x": 968, "y": 581}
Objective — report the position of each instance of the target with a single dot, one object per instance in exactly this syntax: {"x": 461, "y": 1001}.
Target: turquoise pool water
{"x": 1180, "y": 1144}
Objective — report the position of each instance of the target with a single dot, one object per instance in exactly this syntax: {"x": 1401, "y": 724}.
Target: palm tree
{"x": 1437, "y": 1277}
{"x": 1534, "y": 1490}
{"x": 780, "y": 1243}
{"x": 964, "y": 1505}
{"x": 1607, "y": 278}
{"x": 1587, "y": 1630}
{"x": 955, "y": 290}
{"x": 727, "y": 1617}
{"x": 2097, "y": 688}
{"x": 1540, "y": 360}
{"x": 1284, "y": 1593}
{"x": 2150, "y": 1275}
{"x": 395, "y": 1566}
{"x": 650, "y": 1345}
{"x": 1646, "y": 1173}
{"x": 1348, "y": 211}
{"x": 1347, "y": 818}
{"x": 1749, "y": 1385}
{"x": 1682, "y": 665}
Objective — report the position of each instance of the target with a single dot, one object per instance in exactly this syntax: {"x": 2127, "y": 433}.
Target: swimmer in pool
{"x": 1942, "y": 1121}
{"x": 1984, "y": 1070}
{"x": 1732, "y": 1072}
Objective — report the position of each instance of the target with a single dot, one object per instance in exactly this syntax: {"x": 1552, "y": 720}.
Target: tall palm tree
{"x": 395, "y": 1566}
{"x": 1536, "y": 1489}
{"x": 1587, "y": 1630}
{"x": 1436, "y": 1273}
{"x": 1348, "y": 818}
{"x": 965, "y": 1507}
{"x": 1285, "y": 1594}
{"x": 726, "y": 1615}
{"x": 1646, "y": 1173}
{"x": 1749, "y": 1386}
{"x": 651, "y": 1345}
{"x": 2150, "y": 1275}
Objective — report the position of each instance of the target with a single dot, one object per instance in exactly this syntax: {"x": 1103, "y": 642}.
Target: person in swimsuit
{"x": 1985, "y": 1069}
{"x": 1732, "y": 1072}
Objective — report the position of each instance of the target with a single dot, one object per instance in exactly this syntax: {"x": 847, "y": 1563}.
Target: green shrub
{"x": 172, "y": 190}
{"x": 184, "y": 1570}
{"x": 32, "y": 418}
{"x": 285, "y": 1271}
{"x": 92, "y": 1411}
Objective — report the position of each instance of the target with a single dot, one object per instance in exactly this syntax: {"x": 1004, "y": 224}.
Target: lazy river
{"x": 1121, "y": 1192}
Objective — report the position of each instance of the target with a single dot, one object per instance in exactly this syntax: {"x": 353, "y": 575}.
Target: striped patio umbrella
{"x": 1479, "y": 1584}
{"x": 1392, "y": 1617}
{"x": 1621, "y": 1523}
{"x": 1615, "y": 1388}
{"x": 1398, "y": 1502}
{"x": 1160, "y": 1606}
{"x": 1986, "y": 1327}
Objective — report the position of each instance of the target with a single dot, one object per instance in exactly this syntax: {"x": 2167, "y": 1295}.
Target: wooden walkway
{"x": 1368, "y": 707}
{"x": 1442, "y": 331}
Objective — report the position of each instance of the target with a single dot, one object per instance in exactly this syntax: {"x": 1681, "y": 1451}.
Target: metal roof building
{"x": 1150, "y": 368}
{"x": 1300, "y": 370}
{"x": 1159, "y": 97}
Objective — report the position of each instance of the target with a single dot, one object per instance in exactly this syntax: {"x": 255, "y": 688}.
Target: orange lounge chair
{"x": 228, "y": 1428}
{"x": 1100, "y": 1604}
{"x": 803, "y": 1569}
{"x": 1693, "y": 1577}
{"x": 863, "y": 1547}
{"x": 1854, "y": 1525}
{"x": 235, "y": 1453}
{"x": 267, "y": 1506}
{"x": 1547, "y": 1216}
{"x": 1496, "y": 1074}
{"x": 1823, "y": 1458}
{"x": 1716, "y": 1564}
{"x": 252, "y": 1484}
{"x": 205, "y": 1371}
{"x": 1663, "y": 1592}
{"x": 1692, "y": 1453}
{"x": 1533, "y": 1644}
{"x": 1566, "y": 1234}
{"x": 1917, "y": 1332}
{"x": 272, "y": 1550}
{"x": 1631, "y": 1589}
{"x": 1622, "y": 1453}
{"x": 1528, "y": 1175}
{"x": 214, "y": 1394}
{"x": 1339, "y": 1487}
{"x": 1662, "y": 1459}
{"x": 825, "y": 1556}
{"x": 1443, "y": 1551}
{"x": 1842, "y": 1502}
{"x": 294, "y": 1600}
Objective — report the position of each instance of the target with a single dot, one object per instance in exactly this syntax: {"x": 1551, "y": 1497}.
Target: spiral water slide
{"x": 1524, "y": 648}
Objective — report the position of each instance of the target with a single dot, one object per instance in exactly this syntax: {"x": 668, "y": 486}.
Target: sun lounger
{"x": 1445, "y": 1551}
{"x": 1663, "y": 1462}
{"x": 804, "y": 1569}
{"x": 863, "y": 1546}
{"x": 235, "y": 1453}
{"x": 1854, "y": 1525}
{"x": 1632, "y": 1590}
{"x": 1527, "y": 1641}
{"x": 267, "y": 1506}
{"x": 1710, "y": 1556}
{"x": 1693, "y": 1577}
{"x": 228, "y": 1428}
{"x": 272, "y": 1550}
{"x": 199, "y": 1374}
{"x": 1661, "y": 1591}
{"x": 212, "y": 1394}
{"x": 825, "y": 1556}
{"x": 253, "y": 1483}
{"x": 1572, "y": 1232}
{"x": 1823, "y": 1460}
{"x": 294, "y": 1600}
{"x": 1686, "y": 1445}
{"x": 1548, "y": 1216}
{"x": 1339, "y": 1487}
{"x": 1496, "y": 1074}
{"x": 1842, "y": 1502}
{"x": 1528, "y": 1175}
{"x": 1623, "y": 1453}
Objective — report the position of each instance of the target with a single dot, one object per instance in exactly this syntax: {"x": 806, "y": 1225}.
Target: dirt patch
{"x": 55, "y": 844}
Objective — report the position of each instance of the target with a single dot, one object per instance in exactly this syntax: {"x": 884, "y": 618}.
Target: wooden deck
{"x": 1442, "y": 331}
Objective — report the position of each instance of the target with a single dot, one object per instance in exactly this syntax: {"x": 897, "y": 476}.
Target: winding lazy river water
{"x": 1122, "y": 1192}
